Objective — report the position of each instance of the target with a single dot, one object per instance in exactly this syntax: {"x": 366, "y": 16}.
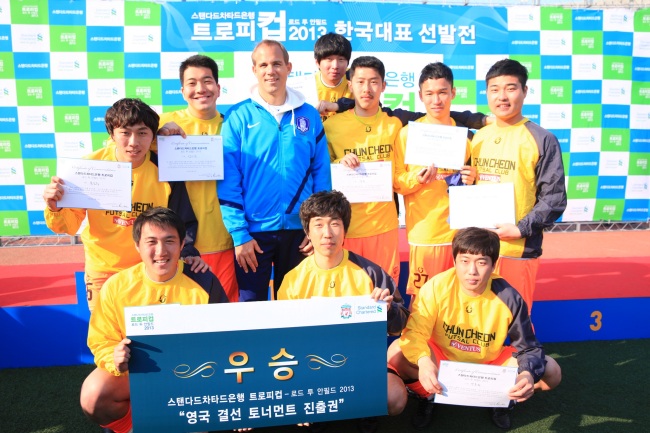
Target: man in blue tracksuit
{"x": 275, "y": 156}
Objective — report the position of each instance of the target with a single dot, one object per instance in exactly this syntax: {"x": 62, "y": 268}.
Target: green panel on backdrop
{"x": 582, "y": 187}
{"x": 532, "y": 63}
{"x": 639, "y": 164}
{"x": 71, "y": 119}
{"x": 100, "y": 140}
{"x": 141, "y": 14}
{"x": 10, "y": 146}
{"x": 465, "y": 92}
{"x": 641, "y": 92}
{"x": 587, "y": 115}
{"x": 34, "y": 93}
{"x": 6, "y": 65}
{"x": 29, "y": 12}
{"x": 609, "y": 209}
{"x": 642, "y": 20}
{"x": 615, "y": 140}
{"x": 617, "y": 68}
{"x": 150, "y": 91}
{"x": 557, "y": 92}
{"x": 225, "y": 62}
{"x": 14, "y": 223}
{"x": 39, "y": 171}
{"x": 555, "y": 18}
{"x": 587, "y": 42}
{"x": 105, "y": 65}
{"x": 67, "y": 38}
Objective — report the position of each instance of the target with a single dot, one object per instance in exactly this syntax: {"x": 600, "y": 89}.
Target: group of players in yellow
{"x": 275, "y": 210}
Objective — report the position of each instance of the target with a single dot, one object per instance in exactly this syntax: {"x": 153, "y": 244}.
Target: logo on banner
{"x": 302, "y": 123}
{"x": 346, "y": 311}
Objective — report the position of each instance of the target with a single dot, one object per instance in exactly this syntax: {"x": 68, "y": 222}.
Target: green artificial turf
{"x": 604, "y": 389}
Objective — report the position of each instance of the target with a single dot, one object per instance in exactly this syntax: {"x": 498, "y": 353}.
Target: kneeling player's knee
{"x": 90, "y": 397}
{"x": 397, "y": 396}
{"x": 552, "y": 377}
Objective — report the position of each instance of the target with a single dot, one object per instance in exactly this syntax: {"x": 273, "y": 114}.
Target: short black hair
{"x": 331, "y": 204}
{"x": 508, "y": 67}
{"x": 332, "y": 44}
{"x": 368, "y": 62}
{"x": 435, "y": 71}
{"x": 159, "y": 217}
{"x": 129, "y": 112}
{"x": 199, "y": 61}
{"x": 473, "y": 240}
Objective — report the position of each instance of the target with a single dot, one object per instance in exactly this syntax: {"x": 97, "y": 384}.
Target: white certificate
{"x": 481, "y": 205}
{"x": 442, "y": 145}
{"x": 91, "y": 184}
{"x": 478, "y": 385}
{"x": 197, "y": 157}
{"x": 306, "y": 85}
{"x": 368, "y": 183}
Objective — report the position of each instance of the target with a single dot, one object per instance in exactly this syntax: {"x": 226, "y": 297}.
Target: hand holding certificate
{"x": 370, "y": 182}
{"x": 481, "y": 205}
{"x": 478, "y": 385}
{"x": 197, "y": 157}
{"x": 442, "y": 145}
{"x": 91, "y": 184}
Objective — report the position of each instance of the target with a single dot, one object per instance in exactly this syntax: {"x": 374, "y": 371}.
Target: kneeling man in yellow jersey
{"x": 161, "y": 278}
{"x": 333, "y": 271}
{"x": 470, "y": 299}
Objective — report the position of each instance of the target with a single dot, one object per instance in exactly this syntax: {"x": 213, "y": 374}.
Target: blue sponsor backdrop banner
{"x": 63, "y": 63}
{"x": 328, "y": 364}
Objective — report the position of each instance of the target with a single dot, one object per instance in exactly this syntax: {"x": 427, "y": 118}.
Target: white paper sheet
{"x": 442, "y": 145}
{"x": 197, "y": 157}
{"x": 370, "y": 182}
{"x": 480, "y": 385}
{"x": 91, "y": 184}
{"x": 481, "y": 205}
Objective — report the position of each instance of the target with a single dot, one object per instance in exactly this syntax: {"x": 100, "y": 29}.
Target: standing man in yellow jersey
{"x": 366, "y": 134}
{"x": 425, "y": 188}
{"x": 515, "y": 150}
{"x": 131, "y": 125}
{"x": 332, "y": 53}
{"x": 200, "y": 87}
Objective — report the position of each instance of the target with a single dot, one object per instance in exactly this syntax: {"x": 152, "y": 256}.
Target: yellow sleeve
{"x": 104, "y": 329}
{"x": 415, "y": 337}
{"x": 67, "y": 220}
{"x": 404, "y": 181}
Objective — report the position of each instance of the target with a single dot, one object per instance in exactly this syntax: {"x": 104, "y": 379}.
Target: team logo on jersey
{"x": 346, "y": 311}
{"x": 469, "y": 309}
{"x": 332, "y": 284}
{"x": 497, "y": 140}
{"x": 302, "y": 123}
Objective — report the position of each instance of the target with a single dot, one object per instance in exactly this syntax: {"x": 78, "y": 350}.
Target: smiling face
{"x": 473, "y": 272}
{"x": 160, "y": 249}
{"x": 332, "y": 69}
{"x": 436, "y": 94}
{"x": 506, "y": 99}
{"x": 367, "y": 85}
{"x": 132, "y": 143}
{"x": 271, "y": 70}
{"x": 326, "y": 235}
{"x": 200, "y": 90}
